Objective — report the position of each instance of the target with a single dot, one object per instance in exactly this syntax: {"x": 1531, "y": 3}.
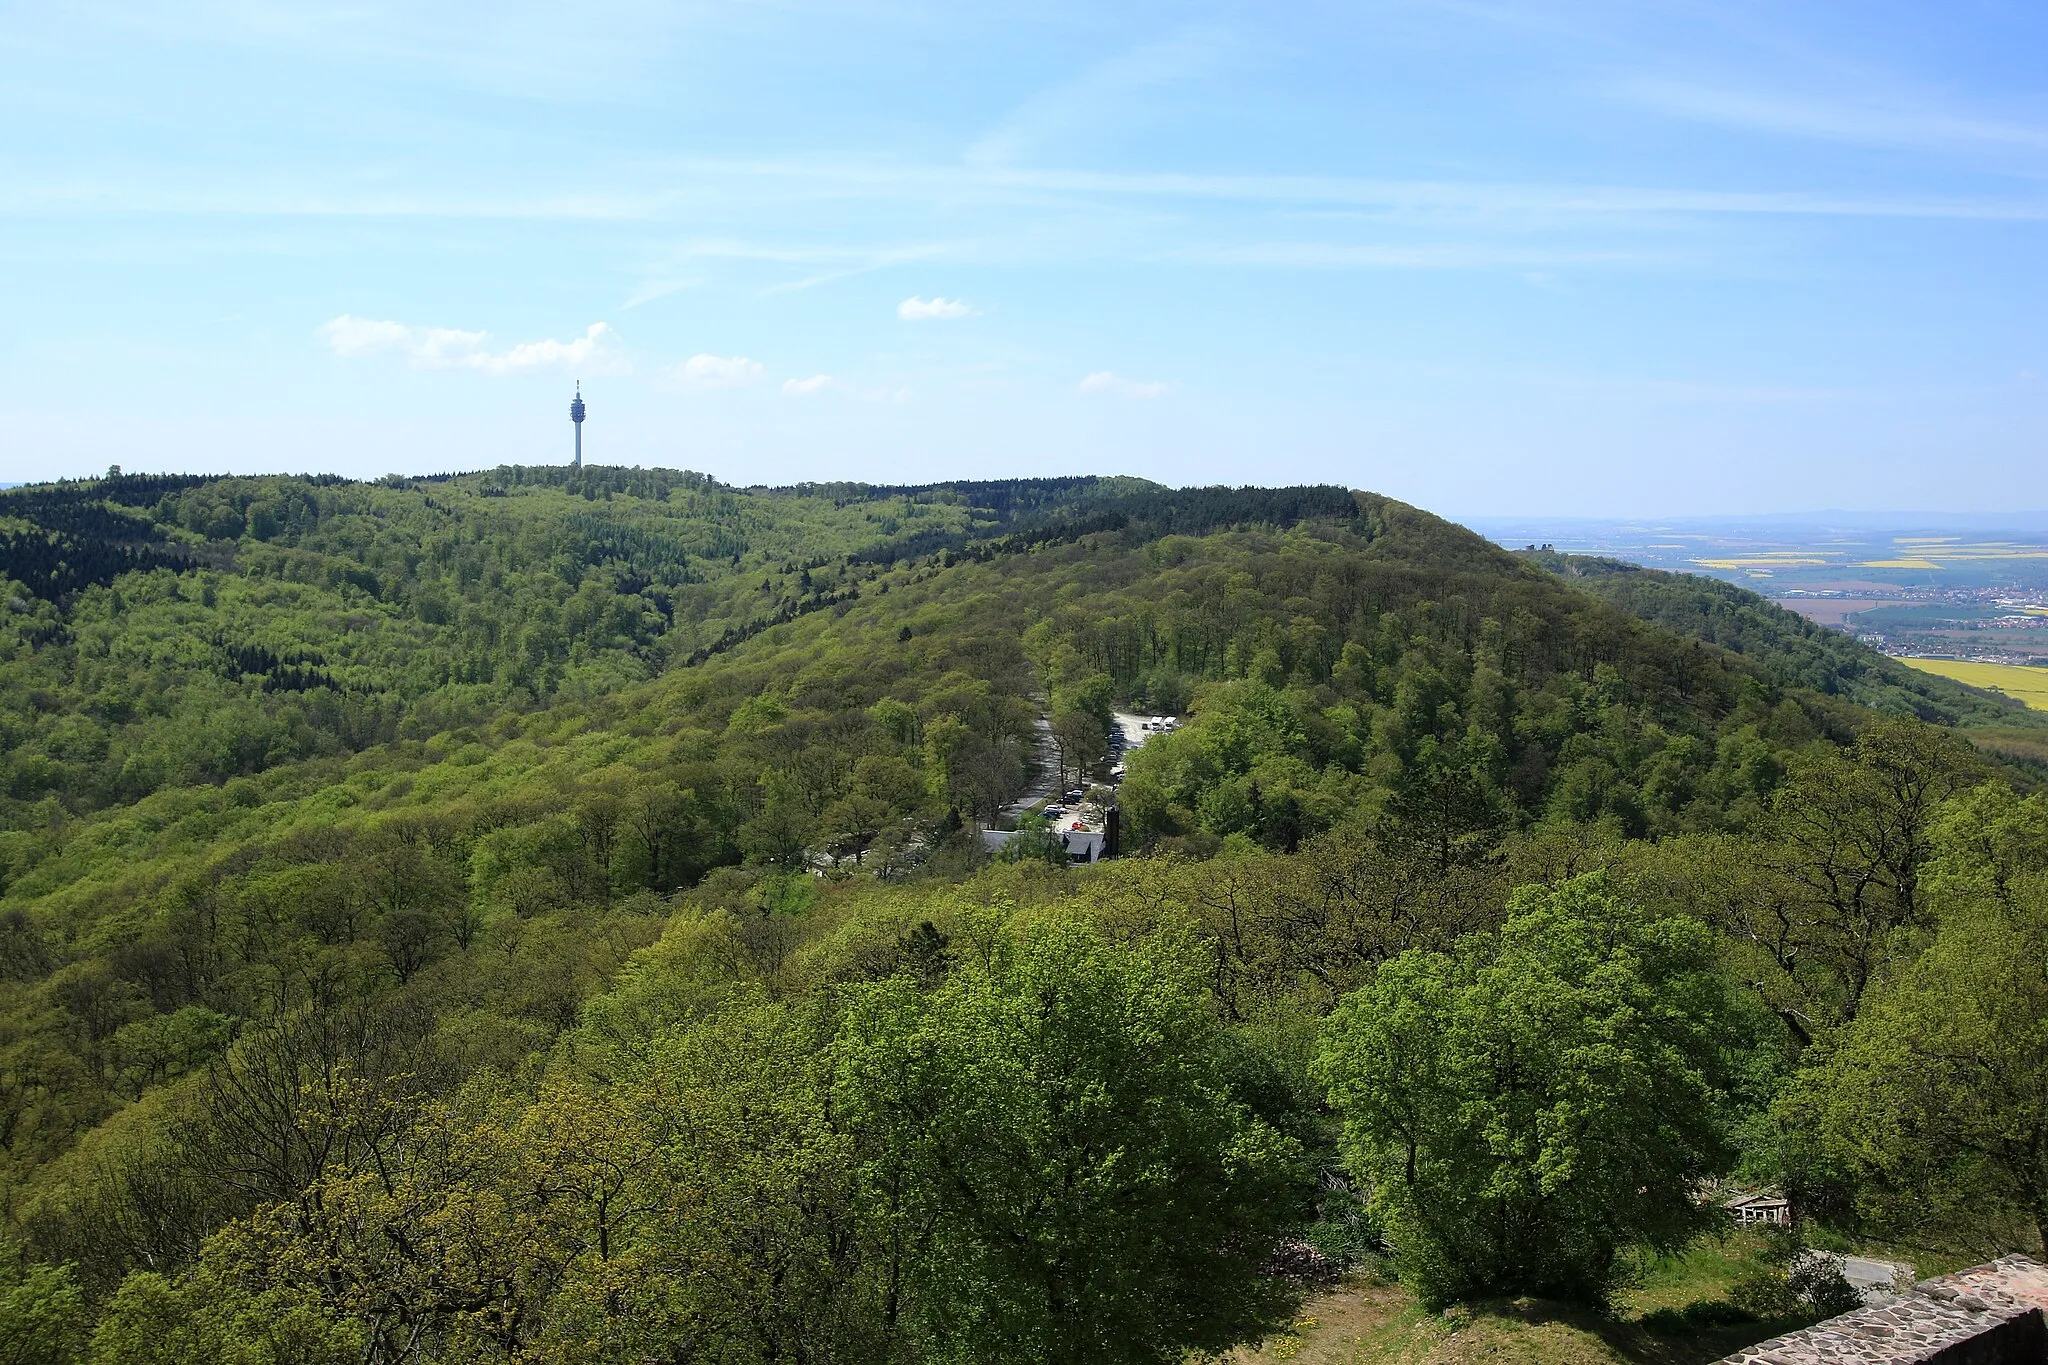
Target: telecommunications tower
{"x": 576, "y": 416}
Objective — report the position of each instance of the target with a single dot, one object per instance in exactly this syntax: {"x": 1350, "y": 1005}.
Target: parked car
{"x": 1054, "y": 812}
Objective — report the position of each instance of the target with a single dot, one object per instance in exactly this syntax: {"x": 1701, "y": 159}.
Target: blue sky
{"x": 1494, "y": 258}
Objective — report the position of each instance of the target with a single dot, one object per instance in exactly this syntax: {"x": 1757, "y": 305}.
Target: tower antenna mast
{"x": 576, "y": 416}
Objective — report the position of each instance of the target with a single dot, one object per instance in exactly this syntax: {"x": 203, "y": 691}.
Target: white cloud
{"x": 825, "y": 383}
{"x": 718, "y": 372}
{"x": 915, "y": 309}
{"x": 352, "y": 336}
{"x": 449, "y": 348}
{"x": 529, "y": 355}
{"x": 1109, "y": 381}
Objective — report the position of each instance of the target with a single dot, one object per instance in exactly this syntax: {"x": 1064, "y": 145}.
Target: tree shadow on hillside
{"x": 1693, "y": 1335}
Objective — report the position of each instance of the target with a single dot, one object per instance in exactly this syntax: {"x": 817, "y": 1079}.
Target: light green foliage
{"x": 1534, "y": 1104}
{"x": 1035, "y": 1151}
{"x": 43, "y": 1317}
{"x": 1245, "y": 765}
{"x": 153, "y": 1320}
{"x": 1460, "y": 720}
{"x": 499, "y": 869}
{"x": 1934, "y": 1102}
{"x": 454, "y": 913}
{"x": 1090, "y": 1187}
{"x": 1827, "y": 891}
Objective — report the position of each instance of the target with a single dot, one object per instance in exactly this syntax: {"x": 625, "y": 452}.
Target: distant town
{"x": 1971, "y": 589}
{"x": 1978, "y": 625}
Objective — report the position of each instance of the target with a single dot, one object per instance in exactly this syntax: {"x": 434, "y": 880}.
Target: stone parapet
{"x": 1993, "y": 1314}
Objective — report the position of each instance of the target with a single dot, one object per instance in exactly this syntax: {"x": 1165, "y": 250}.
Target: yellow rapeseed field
{"x": 2021, "y": 683}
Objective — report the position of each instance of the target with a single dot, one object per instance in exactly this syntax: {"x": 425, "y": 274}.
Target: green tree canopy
{"x": 1528, "y": 1107}
{"x": 1093, "y": 1190}
{"x": 1934, "y": 1101}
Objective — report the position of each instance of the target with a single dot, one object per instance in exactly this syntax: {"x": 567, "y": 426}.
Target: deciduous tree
{"x": 1531, "y": 1105}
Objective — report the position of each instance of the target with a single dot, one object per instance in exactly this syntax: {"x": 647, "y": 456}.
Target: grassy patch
{"x": 1702, "y": 1273}
{"x": 1367, "y": 1321}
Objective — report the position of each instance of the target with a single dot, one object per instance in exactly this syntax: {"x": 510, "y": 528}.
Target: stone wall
{"x": 1995, "y": 1314}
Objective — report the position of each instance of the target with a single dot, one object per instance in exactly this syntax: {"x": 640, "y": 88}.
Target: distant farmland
{"x": 2029, "y": 685}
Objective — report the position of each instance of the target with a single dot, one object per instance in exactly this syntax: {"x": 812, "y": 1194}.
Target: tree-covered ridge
{"x": 670, "y": 948}
{"x": 859, "y": 732}
{"x": 1797, "y": 651}
{"x": 1338, "y": 618}
{"x": 1435, "y": 679}
{"x": 198, "y": 630}
{"x": 316, "y": 618}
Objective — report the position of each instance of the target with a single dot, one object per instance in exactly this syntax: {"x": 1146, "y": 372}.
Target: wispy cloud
{"x": 1875, "y": 119}
{"x": 915, "y": 309}
{"x": 142, "y": 191}
{"x": 824, "y": 383}
{"x": 824, "y": 262}
{"x": 1078, "y": 108}
{"x": 1417, "y": 256}
{"x": 1500, "y": 205}
{"x": 1509, "y": 203}
{"x": 1109, "y": 381}
{"x": 519, "y": 52}
{"x": 449, "y": 348}
{"x": 656, "y": 289}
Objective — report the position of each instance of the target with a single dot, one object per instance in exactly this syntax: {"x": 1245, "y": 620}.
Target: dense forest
{"x": 541, "y": 915}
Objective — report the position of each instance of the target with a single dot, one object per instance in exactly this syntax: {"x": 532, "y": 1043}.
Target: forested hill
{"x": 176, "y": 630}
{"x": 174, "y": 633}
{"x": 1798, "y": 652}
{"x": 364, "y": 841}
